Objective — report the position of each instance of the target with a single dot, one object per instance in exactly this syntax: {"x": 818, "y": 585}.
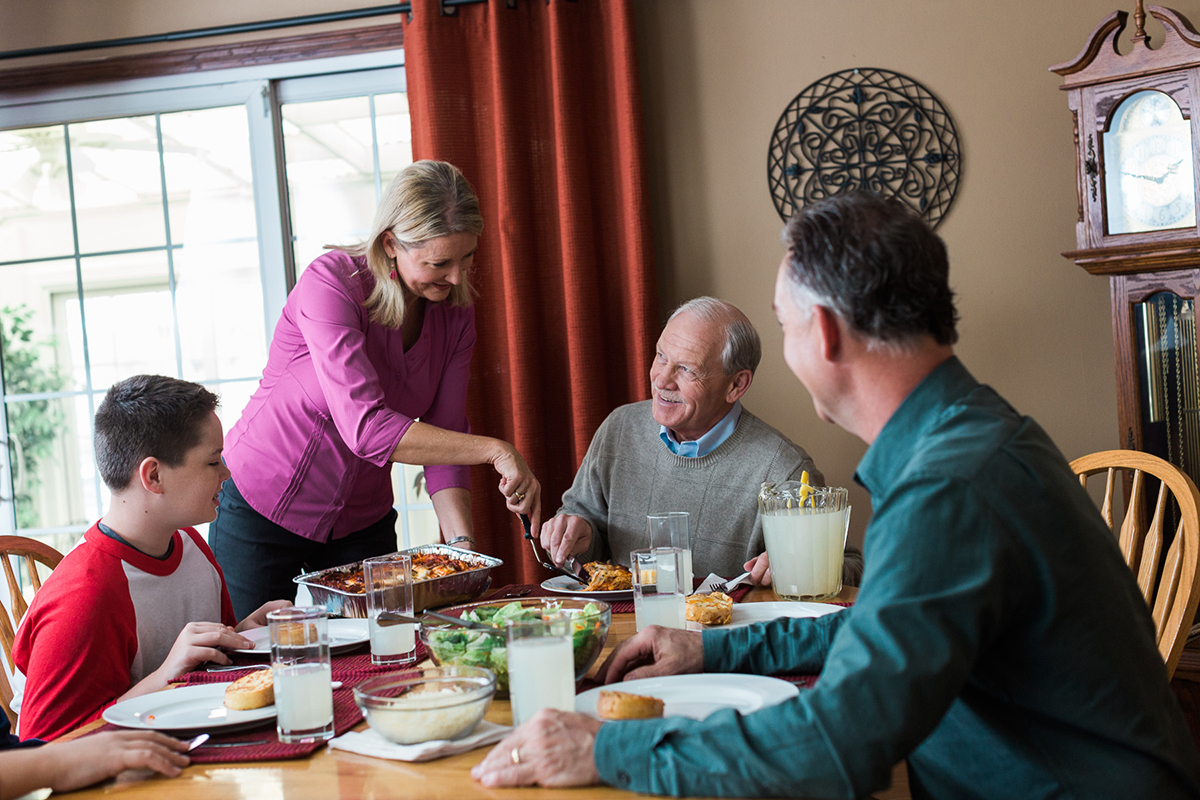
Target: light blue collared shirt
{"x": 710, "y": 441}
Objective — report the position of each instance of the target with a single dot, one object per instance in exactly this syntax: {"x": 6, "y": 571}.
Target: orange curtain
{"x": 538, "y": 104}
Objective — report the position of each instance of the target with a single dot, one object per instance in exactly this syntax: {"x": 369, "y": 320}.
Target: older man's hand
{"x": 565, "y": 535}
{"x": 554, "y": 748}
{"x": 654, "y": 652}
{"x": 759, "y": 568}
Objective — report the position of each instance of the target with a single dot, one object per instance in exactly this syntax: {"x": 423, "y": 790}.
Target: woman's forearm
{"x": 426, "y": 444}
{"x": 453, "y": 509}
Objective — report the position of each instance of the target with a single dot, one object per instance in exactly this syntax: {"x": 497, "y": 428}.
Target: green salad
{"x": 475, "y": 648}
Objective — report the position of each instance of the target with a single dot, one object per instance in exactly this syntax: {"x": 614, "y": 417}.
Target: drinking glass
{"x": 670, "y": 529}
{"x": 541, "y": 666}
{"x": 659, "y": 597}
{"x": 389, "y": 587}
{"x": 302, "y": 674}
{"x": 805, "y": 531}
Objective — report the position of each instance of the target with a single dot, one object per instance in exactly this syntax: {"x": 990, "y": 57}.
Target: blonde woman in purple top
{"x": 368, "y": 365}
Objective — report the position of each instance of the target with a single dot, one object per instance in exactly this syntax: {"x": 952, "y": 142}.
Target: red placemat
{"x": 803, "y": 681}
{"x": 261, "y": 743}
{"x": 349, "y": 668}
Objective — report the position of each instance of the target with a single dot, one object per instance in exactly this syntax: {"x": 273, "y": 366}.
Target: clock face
{"x": 1149, "y": 181}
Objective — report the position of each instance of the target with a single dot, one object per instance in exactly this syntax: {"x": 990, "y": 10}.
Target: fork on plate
{"x": 709, "y": 585}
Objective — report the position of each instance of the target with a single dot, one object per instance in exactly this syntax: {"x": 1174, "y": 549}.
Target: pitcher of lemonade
{"x": 805, "y": 530}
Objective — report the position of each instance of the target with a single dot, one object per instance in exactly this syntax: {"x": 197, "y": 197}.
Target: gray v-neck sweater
{"x": 628, "y": 473}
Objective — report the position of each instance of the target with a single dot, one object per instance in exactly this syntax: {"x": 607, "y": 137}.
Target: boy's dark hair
{"x": 881, "y": 268}
{"x": 144, "y": 416}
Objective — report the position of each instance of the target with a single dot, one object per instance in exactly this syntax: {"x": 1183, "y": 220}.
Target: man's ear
{"x": 149, "y": 473}
{"x": 829, "y": 327}
{"x": 739, "y": 385}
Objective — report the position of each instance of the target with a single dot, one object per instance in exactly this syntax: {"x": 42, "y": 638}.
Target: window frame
{"x": 262, "y": 88}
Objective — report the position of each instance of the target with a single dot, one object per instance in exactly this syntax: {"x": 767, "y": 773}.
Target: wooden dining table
{"x": 328, "y": 774}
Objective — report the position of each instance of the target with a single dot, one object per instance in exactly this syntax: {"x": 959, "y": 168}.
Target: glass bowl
{"x": 424, "y": 705}
{"x": 452, "y": 646}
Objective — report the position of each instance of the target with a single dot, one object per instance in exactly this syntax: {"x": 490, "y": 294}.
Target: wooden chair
{"x": 1174, "y": 595}
{"x": 33, "y": 552}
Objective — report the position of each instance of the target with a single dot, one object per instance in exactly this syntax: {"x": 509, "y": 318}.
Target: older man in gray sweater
{"x": 691, "y": 447}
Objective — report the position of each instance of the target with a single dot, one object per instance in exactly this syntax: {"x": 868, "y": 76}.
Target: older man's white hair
{"x": 743, "y": 348}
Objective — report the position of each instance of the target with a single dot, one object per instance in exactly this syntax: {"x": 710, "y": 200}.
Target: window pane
{"x": 28, "y": 338}
{"x": 118, "y": 184}
{"x": 130, "y": 323}
{"x": 423, "y": 527}
{"x": 393, "y": 128}
{"x": 218, "y": 294}
{"x": 209, "y": 181}
{"x": 330, "y": 168}
{"x": 35, "y": 202}
{"x": 234, "y": 397}
{"x": 53, "y": 464}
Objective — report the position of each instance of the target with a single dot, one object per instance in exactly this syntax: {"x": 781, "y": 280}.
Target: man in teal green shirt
{"x": 998, "y": 642}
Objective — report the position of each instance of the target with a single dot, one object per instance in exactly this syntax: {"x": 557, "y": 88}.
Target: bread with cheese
{"x": 255, "y": 690}
{"x": 710, "y": 609}
{"x": 623, "y": 705}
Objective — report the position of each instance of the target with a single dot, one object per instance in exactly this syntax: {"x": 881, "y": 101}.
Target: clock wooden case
{"x": 1136, "y": 177}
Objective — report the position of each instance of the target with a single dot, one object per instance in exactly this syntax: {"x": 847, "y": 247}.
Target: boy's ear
{"x": 149, "y": 474}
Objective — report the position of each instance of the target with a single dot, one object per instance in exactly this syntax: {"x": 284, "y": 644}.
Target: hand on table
{"x": 258, "y": 618}
{"x": 196, "y": 644}
{"x": 72, "y": 765}
{"x": 554, "y": 748}
{"x": 522, "y": 492}
{"x": 760, "y": 569}
{"x": 565, "y": 535}
{"x": 654, "y": 652}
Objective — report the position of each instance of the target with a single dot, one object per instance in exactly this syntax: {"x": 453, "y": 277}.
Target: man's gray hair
{"x": 743, "y": 348}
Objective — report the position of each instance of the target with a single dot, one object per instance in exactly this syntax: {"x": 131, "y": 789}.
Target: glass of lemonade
{"x": 302, "y": 674}
{"x": 388, "y": 581}
{"x": 659, "y": 596}
{"x": 670, "y": 529}
{"x": 541, "y": 665}
{"x": 805, "y": 531}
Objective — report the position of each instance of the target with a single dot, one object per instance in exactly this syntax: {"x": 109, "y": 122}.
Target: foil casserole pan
{"x": 460, "y": 587}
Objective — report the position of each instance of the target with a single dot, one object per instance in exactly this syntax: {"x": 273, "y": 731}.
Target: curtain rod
{"x": 224, "y": 30}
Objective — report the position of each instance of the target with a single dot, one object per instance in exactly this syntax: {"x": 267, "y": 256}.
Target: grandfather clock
{"x": 1136, "y": 175}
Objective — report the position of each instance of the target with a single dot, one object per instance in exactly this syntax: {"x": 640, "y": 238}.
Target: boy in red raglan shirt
{"x": 141, "y": 600}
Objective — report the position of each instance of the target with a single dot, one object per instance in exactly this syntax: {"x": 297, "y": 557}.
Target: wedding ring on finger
{"x": 516, "y": 756}
{"x": 519, "y": 496}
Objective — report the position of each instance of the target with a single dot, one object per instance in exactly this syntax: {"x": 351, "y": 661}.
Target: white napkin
{"x": 714, "y": 580}
{"x": 370, "y": 743}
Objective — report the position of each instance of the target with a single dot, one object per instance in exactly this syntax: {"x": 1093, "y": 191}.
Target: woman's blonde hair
{"x": 428, "y": 199}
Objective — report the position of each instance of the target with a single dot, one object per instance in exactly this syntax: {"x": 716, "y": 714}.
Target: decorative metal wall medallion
{"x": 865, "y": 128}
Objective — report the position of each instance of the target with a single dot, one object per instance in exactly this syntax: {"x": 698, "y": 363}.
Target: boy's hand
{"x": 259, "y": 618}
{"x": 196, "y": 644}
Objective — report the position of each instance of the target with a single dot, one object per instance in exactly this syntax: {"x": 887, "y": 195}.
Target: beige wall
{"x": 717, "y": 74}
{"x": 716, "y": 77}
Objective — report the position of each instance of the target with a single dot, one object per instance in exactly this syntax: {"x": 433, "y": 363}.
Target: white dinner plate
{"x": 561, "y": 584}
{"x": 188, "y": 708}
{"x": 344, "y": 634}
{"x": 749, "y": 613}
{"x": 697, "y": 696}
